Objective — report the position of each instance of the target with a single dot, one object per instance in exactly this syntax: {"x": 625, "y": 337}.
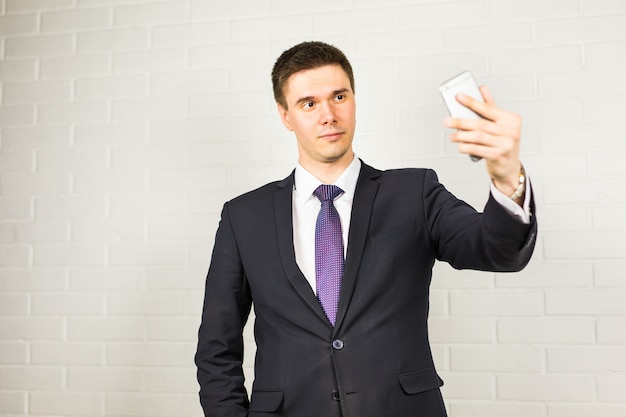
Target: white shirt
{"x": 305, "y": 208}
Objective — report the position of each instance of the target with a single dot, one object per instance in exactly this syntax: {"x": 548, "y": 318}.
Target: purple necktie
{"x": 328, "y": 251}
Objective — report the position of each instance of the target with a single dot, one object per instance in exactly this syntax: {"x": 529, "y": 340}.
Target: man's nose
{"x": 327, "y": 114}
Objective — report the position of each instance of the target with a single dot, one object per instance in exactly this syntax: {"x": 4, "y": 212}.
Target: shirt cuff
{"x": 522, "y": 213}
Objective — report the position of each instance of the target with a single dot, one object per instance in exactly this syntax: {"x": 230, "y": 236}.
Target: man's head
{"x": 306, "y": 56}
{"x": 314, "y": 90}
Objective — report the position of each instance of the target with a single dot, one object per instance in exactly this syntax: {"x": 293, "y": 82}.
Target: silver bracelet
{"x": 521, "y": 187}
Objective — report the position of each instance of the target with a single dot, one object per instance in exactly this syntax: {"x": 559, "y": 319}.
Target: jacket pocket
{"x": 420, "y": 381}
{"x": 266, "y": 401}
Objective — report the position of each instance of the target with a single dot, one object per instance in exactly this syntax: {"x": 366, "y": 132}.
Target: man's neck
{"x": 328, "y": 173}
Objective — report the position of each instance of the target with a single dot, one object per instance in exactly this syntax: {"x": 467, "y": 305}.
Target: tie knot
{"x": 327, "y": 192}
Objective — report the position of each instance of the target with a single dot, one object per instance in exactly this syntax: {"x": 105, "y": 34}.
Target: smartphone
{"x": 462, "y": 83}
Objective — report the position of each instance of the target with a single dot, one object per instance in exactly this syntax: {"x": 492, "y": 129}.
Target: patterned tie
{"x": 328, "y": 251}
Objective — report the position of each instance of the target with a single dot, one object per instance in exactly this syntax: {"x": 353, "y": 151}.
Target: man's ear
{"x": 284, "y": 116}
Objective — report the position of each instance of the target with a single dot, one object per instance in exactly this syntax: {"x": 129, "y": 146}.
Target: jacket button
{"x": 335, "y": 395}
{"x": 337, "y": 344}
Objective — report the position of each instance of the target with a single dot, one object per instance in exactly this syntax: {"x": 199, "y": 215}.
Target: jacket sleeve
{"x": 490, "y": 241}
{"x": 227, "y": 303}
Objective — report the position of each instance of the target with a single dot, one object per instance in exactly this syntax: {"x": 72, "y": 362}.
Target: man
{"x": 348, "y": 339}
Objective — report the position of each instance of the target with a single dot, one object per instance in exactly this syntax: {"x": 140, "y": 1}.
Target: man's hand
{"x": 495, "y": 138}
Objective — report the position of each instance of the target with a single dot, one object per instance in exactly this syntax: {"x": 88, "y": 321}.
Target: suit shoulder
{"x": 259, "y": 195}
{"x": 412, "y": 174}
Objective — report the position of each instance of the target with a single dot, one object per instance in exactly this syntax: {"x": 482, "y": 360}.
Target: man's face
{"x": 322, "y": 114}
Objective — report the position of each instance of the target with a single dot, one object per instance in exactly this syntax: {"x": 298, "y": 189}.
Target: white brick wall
{"x": 125, "y": 124}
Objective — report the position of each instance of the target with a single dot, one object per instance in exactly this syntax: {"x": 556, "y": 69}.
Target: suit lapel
{"x": 283, "y": 219}
{"x": 362, "y": 205}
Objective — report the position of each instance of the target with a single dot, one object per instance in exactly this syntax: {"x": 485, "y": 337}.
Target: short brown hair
{"x": 306, "y": 56}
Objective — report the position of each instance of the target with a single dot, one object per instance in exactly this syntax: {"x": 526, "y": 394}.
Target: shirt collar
{"x": 306, "y": 183}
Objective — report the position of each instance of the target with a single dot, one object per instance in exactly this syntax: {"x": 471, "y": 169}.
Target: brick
{"x": 150, "y": 157}
{"x": 429, "y": 66}
{"x": 151, "y": 61}
{"x": 18, "y": 70}
{"x": 33, "y": 279}
{"x": 70, "y": 207}
{"x": 13, "y": 402}
{"x": 13, "y": 353}
{"x": 574, "y": 219}
{"x": 146, "y": 253}
{"x": 151, "y": 14}
{"x": 42, "y": 231}
{"x": 229, "y": 152}
{"x": 604, "y": 55}
{"x": 68, "y": 113}
{"x": 65, "y": 353}
{"x": 72, "y": 160}
{"x": 108, "y": 230}
{"x": 175, "y": 278}
{"x": 108, "y": 134}
{"x": 553, "y": 388}
{"x": 606, "y": 109}
{"x": 496, "y": 409}
{"x": 461, "y": 330}
{"x": 66, "y": 403}
{"x": 549, "y": 275}
{"x": 113, "y": 40}
{"x": 440, "y": 14}
{"x": 467, "y": 385}
{"x": 596, "y": 302}
{"x": 144, "y": 304}
{"x": 596, "y": 83}
{"x": 587, "y": 29}
{"x": 585, "y": 246}
{"x": 36, "y": 137}
{"x": 107, "y": 278}
{"x": 608, "y": 218}
{"x": 22, "y": 24}
{"x": 76, "y": 20}
{"x": 16, "y": 115}
{"x": 75, "y": 303}
{"x": 149, "y": 108}
{"x": 14, "y": 304}
{"x": 584, "y": 359}
{"x": 586, "y": 410}
{"x": 68, "y": 254}
{"x": 180, "y": 228}
{"x": 106, "y": 329}
{"x": 17, "y": 162}
{"x": 606, "y": 273}
{"x": 112, "y": 87}
{"x": 21, "y": 6}
{"x": 498, "y": 359}
{"x": 33, "y": 184}
{"x": 32, "y": 328}
{"x": 189, "y": 83}
{"x": 202, "y": 129}
{"x": 105, "y": 379}
{"x": 202, "y": 10}
{"x": 512, "y": 10}
{"x": 36, "y": 92}
{"x": 147, "y": 205}
{"x": 499, "y": 302}
{"x": 31, "y": 378}
{"x": 612, "y": 388}
{"x": 157, "y": 405}
{"x": 187, "y": 180}
{"x": 602, "y": 6}
{"x": 546, "y": 59}
{"x": 270, "y": 27}
{"x": 75, "y": 66}
{"x": 228, "y": 104}
{"x": 173, "y": 329}
{"x": 485, "y": 36}
{"x": 150, "y": 354}
{"x": 546, "y": 330}
{"x": 116, "y": 181}
{"x": 586, "y": 191}
{"x": 191, "y": 34}
{"x": 170, "y": 381}
{"x": 229, "y": 56}
{"x": 39, "y": 46}
{"x": 15, "y": 208}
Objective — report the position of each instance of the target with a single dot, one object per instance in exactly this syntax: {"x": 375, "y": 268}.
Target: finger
{"x": 486, "y": 93}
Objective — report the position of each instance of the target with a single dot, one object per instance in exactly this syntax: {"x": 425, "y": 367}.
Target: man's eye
{"x": 340, "y": 97}
{"x": 309, "y": 105}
